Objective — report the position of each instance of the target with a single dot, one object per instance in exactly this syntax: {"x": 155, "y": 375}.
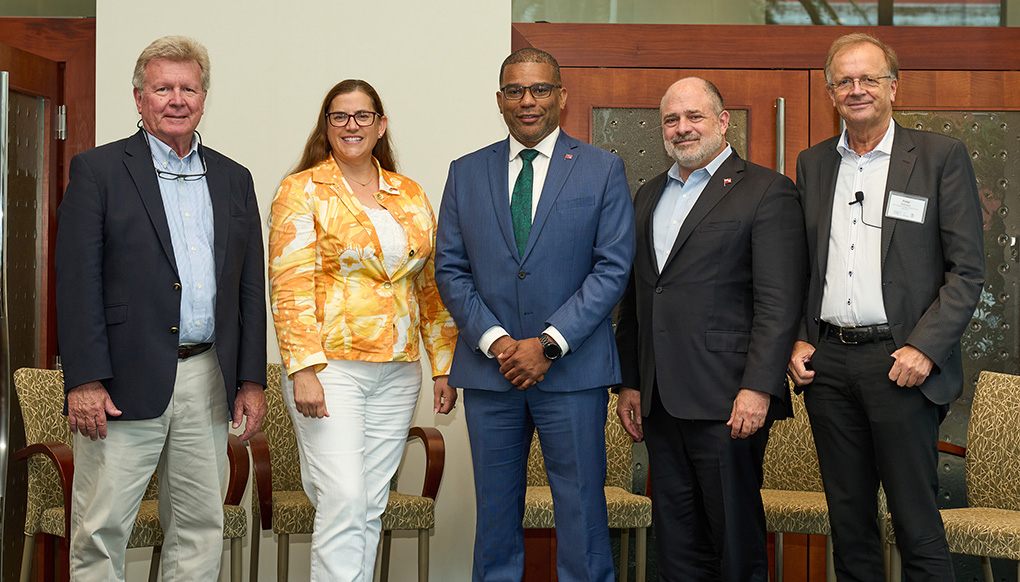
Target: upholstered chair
{"x": 989, "y": 526}
{"x": 51, "y": 470}
{"x": 626, "y": 510}
{"x": 279, "y": 502}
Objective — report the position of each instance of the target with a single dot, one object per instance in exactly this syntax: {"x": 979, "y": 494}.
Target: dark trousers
{"x": 706, "y": 500}
{"x": 867, "y": 429}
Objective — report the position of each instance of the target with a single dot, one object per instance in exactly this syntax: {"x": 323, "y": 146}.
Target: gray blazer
{"x": 933, "y": 272}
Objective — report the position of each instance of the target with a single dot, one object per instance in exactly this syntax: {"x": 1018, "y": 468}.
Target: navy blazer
{"x": 933, "y": 272}
{"x": 573, "y": 271}
{"x": 118, "y": 291}
{"x": 723, "y": 313}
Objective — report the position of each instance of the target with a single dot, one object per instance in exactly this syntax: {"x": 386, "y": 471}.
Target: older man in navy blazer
{"x": 161, "y": 322}
{"x": 534, "y": 247}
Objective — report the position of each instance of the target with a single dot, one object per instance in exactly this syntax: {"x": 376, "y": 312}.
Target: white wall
{"x": 435, "y": 65}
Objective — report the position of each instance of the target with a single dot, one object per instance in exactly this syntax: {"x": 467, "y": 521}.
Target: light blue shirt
{"x": 189, "y": 214}
{"x": 676, "y": 202}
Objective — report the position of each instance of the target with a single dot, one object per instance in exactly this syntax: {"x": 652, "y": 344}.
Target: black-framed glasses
{"x": 361, "y": 118}
{"x": 171, "y": 175}
{"x": 866, "y": 82}
{"x": 538, "y": 91}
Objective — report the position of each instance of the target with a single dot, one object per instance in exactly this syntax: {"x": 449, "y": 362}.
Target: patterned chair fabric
{"x": 279, "y": 502}
{"x": 50, "y": 467}
{"x": 990, "y": 525}
{"x": 626, "y": 510}
{"x": 792, "y": 489}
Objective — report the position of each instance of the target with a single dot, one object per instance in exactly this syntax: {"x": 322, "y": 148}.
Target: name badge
{"x": 903, "y": 206}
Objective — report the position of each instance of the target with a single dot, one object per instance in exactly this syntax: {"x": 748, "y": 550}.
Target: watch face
{"x": 550, "y": 349}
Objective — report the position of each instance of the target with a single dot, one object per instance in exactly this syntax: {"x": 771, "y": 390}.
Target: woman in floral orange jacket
{"x": 352, "y": 286}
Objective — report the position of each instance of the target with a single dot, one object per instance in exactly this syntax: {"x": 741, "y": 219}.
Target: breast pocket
{"x": 719, "y": 225}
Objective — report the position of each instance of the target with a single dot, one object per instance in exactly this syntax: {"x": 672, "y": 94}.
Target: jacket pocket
{"x": 727, "y": 341}
{"x": 720, "y": 225}
{"x": 116, "y": 313}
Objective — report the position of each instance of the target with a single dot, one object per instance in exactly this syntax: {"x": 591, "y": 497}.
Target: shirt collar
{"x": 884, "y": 146}
{"x": 544, "y": 147}
{"x": 674, "y": 170}
{"x": 161, "y": 151}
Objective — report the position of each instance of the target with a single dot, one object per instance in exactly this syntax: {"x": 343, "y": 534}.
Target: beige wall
{"x": 434, "y": 64}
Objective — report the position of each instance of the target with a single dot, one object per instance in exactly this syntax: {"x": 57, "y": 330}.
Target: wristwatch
{"x": 550, "y": 349}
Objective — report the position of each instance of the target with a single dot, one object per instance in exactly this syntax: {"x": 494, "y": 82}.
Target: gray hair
{"x": 173, "y": 48}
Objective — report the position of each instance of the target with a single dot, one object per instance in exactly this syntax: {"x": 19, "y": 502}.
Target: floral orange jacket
{"x": 331, "y": 297}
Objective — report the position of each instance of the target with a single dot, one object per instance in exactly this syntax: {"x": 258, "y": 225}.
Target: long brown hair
{"x": 317, "y": 147}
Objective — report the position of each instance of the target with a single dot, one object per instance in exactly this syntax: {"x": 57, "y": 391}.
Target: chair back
{"x": 279, "y": 430}
{"x": 993, "y": 443}
{"x": 791, "y": 462}
{"x": 41, "y": 395}
{"x": 619, "y": 454}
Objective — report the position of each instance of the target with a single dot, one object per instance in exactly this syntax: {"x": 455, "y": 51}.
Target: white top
{"x": 392, "y": 238}
{"x": 853, "y": 274}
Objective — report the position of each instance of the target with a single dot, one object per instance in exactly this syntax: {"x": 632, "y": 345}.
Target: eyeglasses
{"x": 866, "y": 82}
{"x": 361, "y": 118}
{"x": 172, "y": 176}
{"x": 538, "y": 91}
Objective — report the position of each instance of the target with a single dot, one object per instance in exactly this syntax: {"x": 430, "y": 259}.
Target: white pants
{"x": 349, "y": 457}
{"x": 188, "y": 445}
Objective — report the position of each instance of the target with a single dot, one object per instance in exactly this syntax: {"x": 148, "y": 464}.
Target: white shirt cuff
{"x": 489, "y": 337}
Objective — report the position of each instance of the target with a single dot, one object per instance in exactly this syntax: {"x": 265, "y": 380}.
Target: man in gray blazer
{"x": 161, "y": 321}
{"x": 896, "y": 268}
{"x": 704, "y": 330}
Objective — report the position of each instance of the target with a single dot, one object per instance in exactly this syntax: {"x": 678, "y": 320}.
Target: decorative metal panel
{"x": 635, "y": 134}
{"x": 25, "y": 180}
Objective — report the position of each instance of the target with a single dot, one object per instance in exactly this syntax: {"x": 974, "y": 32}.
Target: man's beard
{"x": 694, "y": 156}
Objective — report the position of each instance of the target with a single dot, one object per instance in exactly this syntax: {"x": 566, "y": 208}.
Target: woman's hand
{"x": 444, "y": 396}
{"x": 308, "y": 396}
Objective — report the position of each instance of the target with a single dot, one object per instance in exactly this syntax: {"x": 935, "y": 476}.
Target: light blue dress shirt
{"x": 189, "y": 214}
{"x": 676, "y": 202}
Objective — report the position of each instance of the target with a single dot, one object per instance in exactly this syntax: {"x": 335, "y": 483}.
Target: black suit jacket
{"x": 723, "y": 313}
{"x": 118, "y": 292}
{"x": 932, "y": 273}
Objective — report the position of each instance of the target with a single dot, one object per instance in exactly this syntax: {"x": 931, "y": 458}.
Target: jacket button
{"x": 177, "y": 286}
{"x": 658, "y": 289}
{"x": 173, "y": 330}
{"x": 521, "y": 274}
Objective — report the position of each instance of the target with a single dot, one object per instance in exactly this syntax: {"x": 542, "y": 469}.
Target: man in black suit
{"x": 896, "y": 268}
{"x": 161, "y": 323}
{"x": 704, "y": 331}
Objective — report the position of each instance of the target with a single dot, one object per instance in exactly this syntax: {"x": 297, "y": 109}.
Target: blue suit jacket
{"x": 573, "y": 272}
{"x": 118, "y": 292}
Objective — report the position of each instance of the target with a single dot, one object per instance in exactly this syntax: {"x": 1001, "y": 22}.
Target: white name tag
{"x": 903, "y": 206}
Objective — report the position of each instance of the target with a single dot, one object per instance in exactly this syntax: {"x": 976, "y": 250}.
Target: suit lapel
{"x": 722, "y": 183}
{"x": 219, "y": 193}
{"x": 499, "y": 171}
{"x": 564, "y": 156}
{"x": 138, "y": 161}
{"x": 901, "y": 164}
{"x": 828, "y": 173}
{"x": 643, "y": 211}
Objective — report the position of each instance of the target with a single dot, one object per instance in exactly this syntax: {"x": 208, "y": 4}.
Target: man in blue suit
{"x": 534, "y": 248}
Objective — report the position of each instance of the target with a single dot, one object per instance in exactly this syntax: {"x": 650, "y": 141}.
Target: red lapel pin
{"x": 726, "y": 181}
{"x": 568, "y": 157}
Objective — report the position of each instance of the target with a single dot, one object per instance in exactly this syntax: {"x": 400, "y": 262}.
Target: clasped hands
{"x": 523, "y": 362}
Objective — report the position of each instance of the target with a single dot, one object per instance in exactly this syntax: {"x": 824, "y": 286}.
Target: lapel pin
{"x": 568, "y": 157}
{"x": 726, "y": 181}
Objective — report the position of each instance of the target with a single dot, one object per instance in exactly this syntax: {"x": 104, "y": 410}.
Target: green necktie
{"x": 520, "y": 202}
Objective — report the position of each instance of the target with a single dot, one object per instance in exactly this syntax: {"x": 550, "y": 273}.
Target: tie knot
{"x": 528, "y": 155}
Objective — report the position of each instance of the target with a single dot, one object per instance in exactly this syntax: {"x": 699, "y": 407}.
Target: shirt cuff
{"x": 489, "y": 337}
{"x": 558, "y": 338}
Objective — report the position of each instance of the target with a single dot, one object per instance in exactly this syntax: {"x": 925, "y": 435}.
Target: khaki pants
{"x": 187, "y": 444}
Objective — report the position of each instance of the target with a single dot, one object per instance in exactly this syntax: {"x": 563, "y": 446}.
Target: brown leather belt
{"x": 185, "y": 352}
{"x": 867, "y": 334}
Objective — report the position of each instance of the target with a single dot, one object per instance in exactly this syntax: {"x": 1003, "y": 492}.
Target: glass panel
{"x": 635, "y": 135}
{"x": 824, "y": 12}
{"x": 25, "y": 182}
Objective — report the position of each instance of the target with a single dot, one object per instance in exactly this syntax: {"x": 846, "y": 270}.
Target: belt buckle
{"x": 844, "y": 341}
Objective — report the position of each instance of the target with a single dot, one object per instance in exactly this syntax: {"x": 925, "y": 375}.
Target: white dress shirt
{"x": 852, "y": 295}
{"x": 540, "y": 167}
